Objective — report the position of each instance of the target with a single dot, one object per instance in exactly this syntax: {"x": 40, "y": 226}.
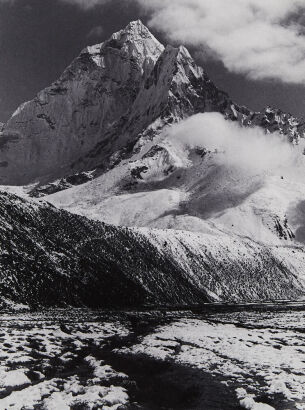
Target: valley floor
{"x": 221, "y": 357}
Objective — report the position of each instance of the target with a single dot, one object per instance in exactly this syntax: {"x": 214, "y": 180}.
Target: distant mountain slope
{"x": 169, "y": 184}
{"x": 50, "y": 257}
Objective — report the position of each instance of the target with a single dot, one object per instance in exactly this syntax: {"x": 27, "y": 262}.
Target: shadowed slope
{"x": 51, "y": 257}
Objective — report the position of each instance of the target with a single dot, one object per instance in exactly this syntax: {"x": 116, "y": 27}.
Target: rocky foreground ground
{"x": 217, "y": 359}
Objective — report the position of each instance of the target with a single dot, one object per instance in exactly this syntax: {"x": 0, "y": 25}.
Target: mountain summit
{"x": 104, "y": 102}
{"x": 67, "y": 120}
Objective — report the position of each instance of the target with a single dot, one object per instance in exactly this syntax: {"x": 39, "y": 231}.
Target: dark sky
{"x": 39, "y": 38}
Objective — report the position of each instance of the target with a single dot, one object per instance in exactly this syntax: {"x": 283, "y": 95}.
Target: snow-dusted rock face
{"x": 275, "y": 120}
{"x": 50, "y": 257}
{"x": 47, "y": 135}
{"x": 103, "y": 106}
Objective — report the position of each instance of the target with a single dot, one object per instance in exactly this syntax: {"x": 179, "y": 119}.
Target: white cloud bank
{"x": 248, "y": 149}
{"x": 256, "y": 38}
{"x": 260, "y": 39}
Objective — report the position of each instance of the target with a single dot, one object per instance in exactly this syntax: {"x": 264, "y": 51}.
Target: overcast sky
{"x": 253, "y": 49}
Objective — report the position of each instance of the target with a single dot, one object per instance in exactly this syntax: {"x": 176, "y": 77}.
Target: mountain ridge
{"x": 100, "y": 107}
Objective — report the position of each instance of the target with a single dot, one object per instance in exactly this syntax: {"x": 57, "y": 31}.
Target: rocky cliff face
{"x": 65, "y": 121}
{"x": 49, "y": 257}
{"x": 275, "y": 120}
{"x": 103, "y": 106}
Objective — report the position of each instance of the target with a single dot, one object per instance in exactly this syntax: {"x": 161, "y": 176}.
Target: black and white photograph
{"x": 152, "y": 204}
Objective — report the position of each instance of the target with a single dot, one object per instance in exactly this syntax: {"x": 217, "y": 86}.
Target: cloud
{"x": 248, "y": 149}
{"x": 258, "y": 38}
{"x": 83, "y": 4}
{"x": 261, "y": 39}
{"x": 96, "y": 32}
{"x": 86, "y": 4}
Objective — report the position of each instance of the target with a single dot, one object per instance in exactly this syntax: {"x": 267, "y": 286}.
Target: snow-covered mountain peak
{"x": 134, "y": 41}
{"x": 183, "y": 52}
{"x": 111, "y": 95}
{"x": 136, "y": 32}
{"x": 68, "y": 119}
{"x": 180, "y": 54}
{"x": 137, "y": 41}
{"x": 185, "y": 64}
{"x": 136, "y": 29}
